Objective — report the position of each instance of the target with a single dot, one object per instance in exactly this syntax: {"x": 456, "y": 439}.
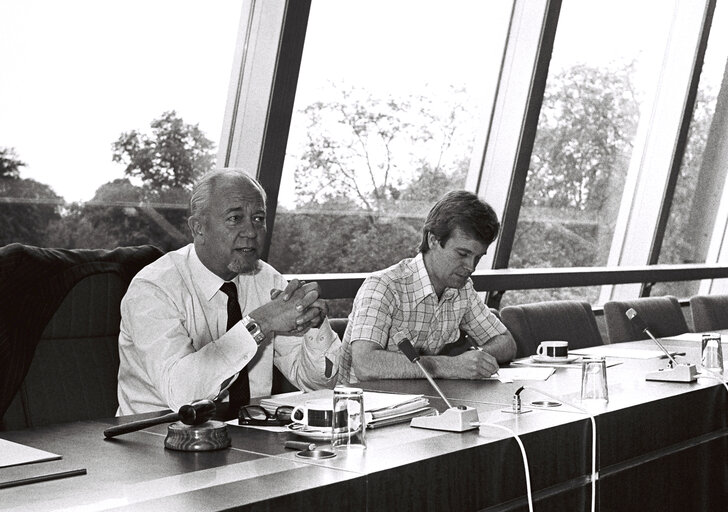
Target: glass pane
{"x": 598, "y": 79}
{"x": 389, "y": 100}
{"x": 83, "y": 81}
{"x": 588, "y": 294}
{"x": 701, "y": 177}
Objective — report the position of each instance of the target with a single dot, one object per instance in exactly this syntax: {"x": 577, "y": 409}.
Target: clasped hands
{"x": 293, "y": 311}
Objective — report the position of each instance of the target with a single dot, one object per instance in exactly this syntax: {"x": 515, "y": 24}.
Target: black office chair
{"x": 59, "y": 329}
{"x": 662, "y": 315}
{"x": 565, "y": 320}
{"x": 710, "y": 312}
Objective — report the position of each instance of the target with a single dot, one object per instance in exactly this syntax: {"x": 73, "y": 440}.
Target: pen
{"x": 42, "y": 478}
{"x": 477, "y": 347}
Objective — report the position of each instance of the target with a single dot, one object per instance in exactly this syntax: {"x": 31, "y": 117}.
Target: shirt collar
{"x": 207, "y": 281}
{"x": 425, "y": 287}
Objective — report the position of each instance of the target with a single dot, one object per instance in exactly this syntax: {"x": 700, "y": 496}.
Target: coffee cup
{"x": 316, "y": 414}
{"x": 553, "y": 349}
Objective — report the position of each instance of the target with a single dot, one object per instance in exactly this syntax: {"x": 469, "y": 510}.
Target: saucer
{"x": 546, "y": 359}
{"x": 309, "y": 433}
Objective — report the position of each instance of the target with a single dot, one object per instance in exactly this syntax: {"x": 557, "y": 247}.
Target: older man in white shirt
{"x": 175, "y": 344}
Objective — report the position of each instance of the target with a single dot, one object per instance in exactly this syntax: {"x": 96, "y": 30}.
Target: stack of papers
{"x": 381, "y": 408}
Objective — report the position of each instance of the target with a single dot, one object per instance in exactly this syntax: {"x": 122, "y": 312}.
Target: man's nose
{"x": 247, "y": 229}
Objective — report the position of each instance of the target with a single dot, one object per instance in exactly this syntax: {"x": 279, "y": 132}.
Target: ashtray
{"x": 315, "y": 454}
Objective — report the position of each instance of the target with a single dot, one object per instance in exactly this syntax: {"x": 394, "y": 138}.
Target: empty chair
{"x": 662, "y": 315}
{"x": 710, "y": 312}
{"x": 59, "y": 329}
{"x": 565, "y": 320}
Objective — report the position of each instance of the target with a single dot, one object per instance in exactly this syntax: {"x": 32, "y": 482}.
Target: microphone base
{"x": 452, "y": 420}
{"x": 679, "y": 373}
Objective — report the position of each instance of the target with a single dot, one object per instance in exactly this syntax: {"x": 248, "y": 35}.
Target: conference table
{"x": 660, "y": 446}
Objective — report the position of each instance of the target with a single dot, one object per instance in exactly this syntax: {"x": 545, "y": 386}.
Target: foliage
{"x": 588, "y": 120}
{"x": 173, "y": 157}
{"x": 113, "y": 218}
{"x": 10, "y": 164}
{"x": 581, "y": 152}
{"x": 369, "y": 150}
{"x": 32, "y": 205}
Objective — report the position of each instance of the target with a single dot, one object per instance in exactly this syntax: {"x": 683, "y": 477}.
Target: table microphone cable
{"x": 594, "y": 472}
{"x": 512, "y": 432}
{"x": 710, "y": 374}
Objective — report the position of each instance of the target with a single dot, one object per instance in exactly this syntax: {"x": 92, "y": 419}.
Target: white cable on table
{"x": 523, "y": 454}
{"x": 595, "y": 474}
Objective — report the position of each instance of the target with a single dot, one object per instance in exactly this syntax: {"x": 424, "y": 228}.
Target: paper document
{"x": 373, "y": 400}
{"x": 381, "y": 408}
{"x": 695, "y": 337}
{"x": 625, "y": 353}
{"x": 13, "y": 454}
{"x": 525, "y": 373}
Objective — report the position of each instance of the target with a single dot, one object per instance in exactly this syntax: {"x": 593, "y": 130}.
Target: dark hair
{"x": 464, "y": 210}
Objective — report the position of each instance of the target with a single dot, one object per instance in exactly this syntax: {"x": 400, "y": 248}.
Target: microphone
{"x": 408, "y": 350}
{"x": 675, "y": 372}
{"x": 195, "y": 413}
{"x": 454, "y": 419}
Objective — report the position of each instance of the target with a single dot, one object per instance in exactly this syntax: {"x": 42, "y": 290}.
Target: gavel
{"x": 195, "y": 413}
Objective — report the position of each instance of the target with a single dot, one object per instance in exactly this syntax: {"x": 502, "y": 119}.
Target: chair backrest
{"x": 661, "y": 314}
{"x": 59, "y": 337}
{"x": 564, "y": 320}
{"x": 710, "y": 312}
{"x": 73, "y": 374}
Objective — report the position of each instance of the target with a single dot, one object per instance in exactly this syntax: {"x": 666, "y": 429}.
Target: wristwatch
{"x": 254, "y": 329}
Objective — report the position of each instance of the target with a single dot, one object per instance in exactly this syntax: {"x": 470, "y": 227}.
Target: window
{"x": 80, "y": 76}
{"x": 700, "y": 182}
{"x": 389, "y": 99}
{"x": 598, "y": 78}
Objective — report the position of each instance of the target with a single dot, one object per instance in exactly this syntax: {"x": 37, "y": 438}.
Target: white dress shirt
{"x": 174, "y": 349}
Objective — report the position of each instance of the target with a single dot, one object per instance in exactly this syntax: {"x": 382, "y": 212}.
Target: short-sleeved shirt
{"x": 402, "y": 299}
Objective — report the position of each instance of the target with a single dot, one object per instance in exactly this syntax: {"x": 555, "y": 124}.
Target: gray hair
{"x": 205, "y": 187}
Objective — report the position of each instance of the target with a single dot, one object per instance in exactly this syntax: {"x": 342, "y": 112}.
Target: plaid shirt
{"x": 401, "y": 298}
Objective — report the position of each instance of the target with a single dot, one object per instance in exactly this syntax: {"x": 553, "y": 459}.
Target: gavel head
{"x": 197, "y": 413}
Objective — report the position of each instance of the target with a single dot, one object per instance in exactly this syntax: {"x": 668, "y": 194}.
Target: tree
{"x": 10, "y": 164}
{"x": 369, "y": 149}
{"x": 173, "y": 157}
{"x": 30, "y": 205}
{"x": 368, "y": 171}
{"x": 581, "y": 152}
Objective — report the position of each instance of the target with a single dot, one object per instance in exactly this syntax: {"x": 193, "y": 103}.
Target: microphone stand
{"x": 675, "y": 372}
{"x": 455, "y": 418}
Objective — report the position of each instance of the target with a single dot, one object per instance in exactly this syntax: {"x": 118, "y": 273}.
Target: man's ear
{"x": 432, "y": 240}
{"x": 196, "y": 227}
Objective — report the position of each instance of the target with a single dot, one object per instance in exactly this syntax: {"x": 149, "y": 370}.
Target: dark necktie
{"x": 239, "y": 390}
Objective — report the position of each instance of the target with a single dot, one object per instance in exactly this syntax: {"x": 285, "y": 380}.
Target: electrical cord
{"x": 594, "y": 472}
{"x": 713, "y": 375}
{"x": 523, "y": 454}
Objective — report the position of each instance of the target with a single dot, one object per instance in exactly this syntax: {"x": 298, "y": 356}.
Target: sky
{"x": 77, "y": 73}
